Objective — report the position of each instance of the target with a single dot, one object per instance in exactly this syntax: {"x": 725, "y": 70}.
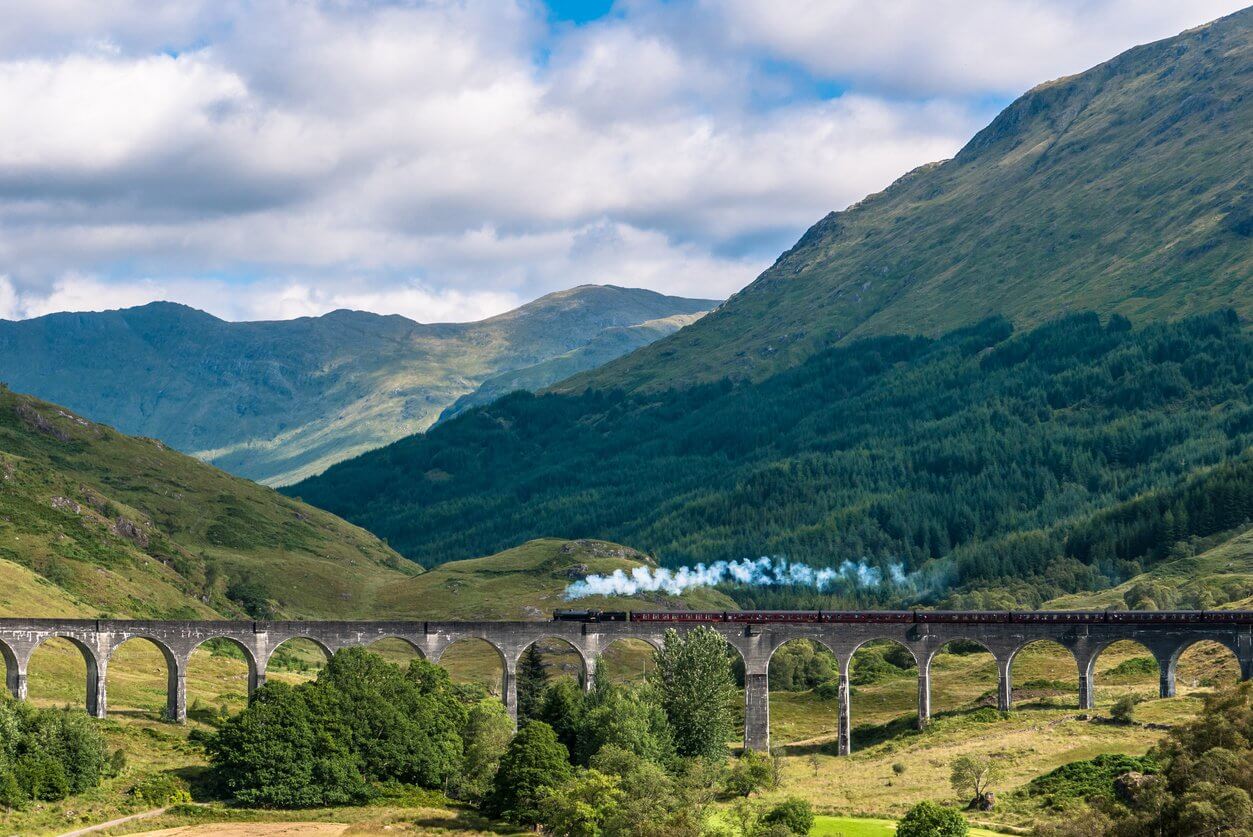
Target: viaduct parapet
{"x": 755, "y": 643}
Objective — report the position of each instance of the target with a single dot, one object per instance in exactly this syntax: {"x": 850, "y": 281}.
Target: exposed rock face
{"x": 34, "y": 420}
{"x": 131, "y": 531}
{"x": 1129, "y": 786}
{"x": 65, "y": 504}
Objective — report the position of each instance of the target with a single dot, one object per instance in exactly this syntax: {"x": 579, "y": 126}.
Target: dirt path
{"x": 92, "y": 829}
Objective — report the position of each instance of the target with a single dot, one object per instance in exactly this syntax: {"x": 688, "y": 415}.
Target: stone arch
{"x": 326, "y": 650}
{"x": 1125, "y": 673}
{"x": 173, "y": 671}
{"x": 875, "y": 639}
{"x": 95, "y": 696}
{"x": 255, "y": 676}
{"x": 620, "y": 663}
{"x": 397, "y": 638}
{"x": 587, "y": 666}
{"x": 799, "y": 707}
{"x": 1170, "y": 673}
{"x": 969, "y": 687}
{"x": 472, "y": 641}
{"x": 1050, "y": 673}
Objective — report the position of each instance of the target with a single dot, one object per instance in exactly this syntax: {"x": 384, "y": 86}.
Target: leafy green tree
{"x": 582, "y": 805}
{"x": 47, "y": 754}
{"x": 692, "y": 676}
{"x": 276, "y": 754}
{"x": 486, "y": 737}
{"x": 562, "y": 709}
{"x": 534, "y": 763}
{"x": 973, "y": 776}
{"x": 532, "y": 680}
{"x": 1205, "y": 784}
{"x": 632, "y": 719}
{"x": 403, "y": 725}
{"x": 927, "y": 819}
{"x": 795, "y": 813}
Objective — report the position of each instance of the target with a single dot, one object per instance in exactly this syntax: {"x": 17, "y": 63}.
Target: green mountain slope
{"x": 948, "y": 457}
{"x": 274, "y": 401}
{"x": 93, "y": 522}
{"x": 528, "y": 582}
{"x": 611, "y": 343}
{"x": 1220, "y": 576}
{"x": 1122, "y": 189}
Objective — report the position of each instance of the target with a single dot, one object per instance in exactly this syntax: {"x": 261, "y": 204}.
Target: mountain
{"x": 93, "y": 522}
{"x": 613, "y": 342}
{"x": 950, "y": 460}
{"x": 1124, "y": 189}
{"x": 275, "y": 401}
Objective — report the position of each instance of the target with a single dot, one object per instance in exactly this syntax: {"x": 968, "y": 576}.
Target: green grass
{"x": 825, "y": 826}
{"x": 125, "y": 526}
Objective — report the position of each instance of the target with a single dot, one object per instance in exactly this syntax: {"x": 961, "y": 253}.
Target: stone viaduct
{"x": 755, "y": 642}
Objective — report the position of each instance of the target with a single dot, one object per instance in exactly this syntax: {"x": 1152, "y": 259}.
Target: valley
{"x": 278, "y": 401}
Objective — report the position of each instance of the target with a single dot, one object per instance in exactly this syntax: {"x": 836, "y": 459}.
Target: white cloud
{"x": 442, "y": 159}
{"x": 955, "y": 46}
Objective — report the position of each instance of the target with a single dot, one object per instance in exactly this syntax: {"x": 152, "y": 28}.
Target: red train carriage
{"x": 961, "y": 616}
{"x": 1053, "y": 616}
{"x": 772, "y": 616}
{"x": 864, "y": 616}
{"x": 678, "y": 616}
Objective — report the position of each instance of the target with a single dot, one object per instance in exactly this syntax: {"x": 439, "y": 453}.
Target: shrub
{"x": 927, "y": 819}
{"x": 161, "y": 789}
{"x": 47, "y": 754}
{"x": 1124, "y": 709}
{"x": 1088, "y": 779}
{"x": 581, "y": 805}
{"x": 751, "y": 772}
{"x": 534, "y": 763}
{"x": 363, "y": 720}
{"x": 796, "y": 814}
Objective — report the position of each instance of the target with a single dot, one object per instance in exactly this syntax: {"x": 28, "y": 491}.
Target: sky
{"x": 268, "y": 159}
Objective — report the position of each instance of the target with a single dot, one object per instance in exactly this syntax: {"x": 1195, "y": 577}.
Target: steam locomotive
{"x": 1240, "y": 617}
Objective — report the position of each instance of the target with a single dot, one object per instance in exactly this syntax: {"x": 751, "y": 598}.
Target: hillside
{"x": 274, "y": 401}
{"x": 527, "y": 582}
{"x": 1217, "y": 576}
{"x": 613, "y": 342}
{"x": 1122, "y": 189}
{"x": 954, "y": 459}
{"x": 93, "y": 522}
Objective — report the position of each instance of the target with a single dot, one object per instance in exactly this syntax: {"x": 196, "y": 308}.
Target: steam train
{"x": 1240, "y": 617}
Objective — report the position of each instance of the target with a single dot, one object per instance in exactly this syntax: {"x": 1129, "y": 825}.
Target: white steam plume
{"x": 763, "y": 572}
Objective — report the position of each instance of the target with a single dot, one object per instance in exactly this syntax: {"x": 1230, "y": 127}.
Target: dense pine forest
{"x": 1064, "y": 458}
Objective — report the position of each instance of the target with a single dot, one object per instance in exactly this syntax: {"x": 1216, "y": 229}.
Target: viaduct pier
{"x": 754, "y": 641}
